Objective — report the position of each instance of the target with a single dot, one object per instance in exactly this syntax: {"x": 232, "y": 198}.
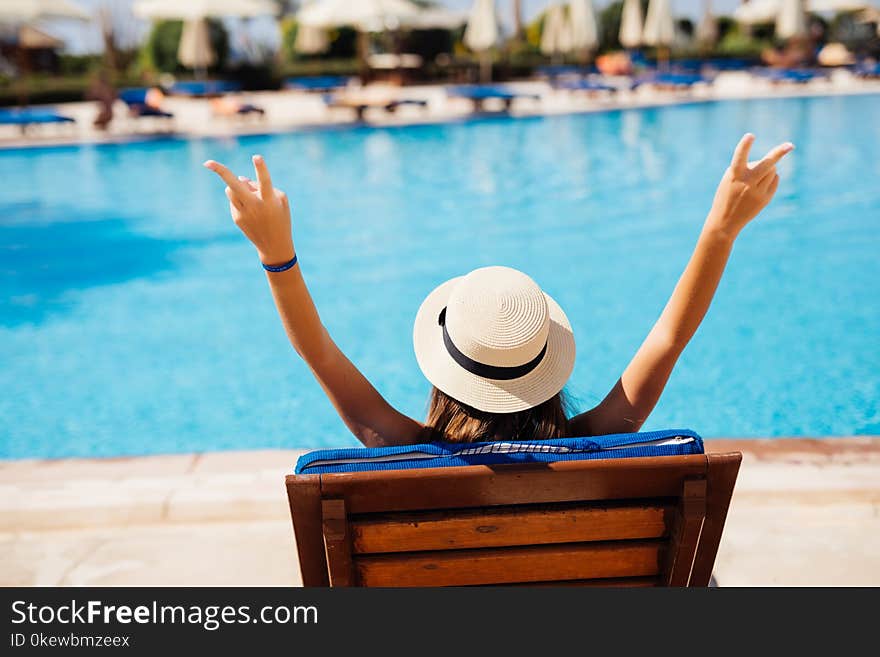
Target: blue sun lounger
{"x": 867, "y": 70}
{"x": 792, "y": 75}
{"x": 136, "y": 100}
{"x": 27, "y": 116}
{"x": 321, "y": 83}
{"x": 676, "y": 80}
{"x": 642, "y": 509}
{"x": 204, "y": 88}
{"x": 584, "y": 84}
{"x": 480, "y": 93}
{"x": 731, "y": 64}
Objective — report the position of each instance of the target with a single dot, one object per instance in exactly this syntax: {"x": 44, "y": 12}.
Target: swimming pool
{"x": 135, "y": 319}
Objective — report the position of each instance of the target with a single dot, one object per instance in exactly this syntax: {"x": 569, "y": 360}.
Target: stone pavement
{"x": 805, "y": 512}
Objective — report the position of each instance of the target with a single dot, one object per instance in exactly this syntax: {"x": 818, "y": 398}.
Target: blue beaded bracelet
{"x": 278, "y": 268}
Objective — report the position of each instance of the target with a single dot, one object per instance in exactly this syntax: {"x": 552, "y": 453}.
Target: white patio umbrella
{"x": 311, "y": 40}
{"x": 707, "y": 28}
{"x": 631, "y": 24}
{"x": 481, "y": 34}
{"x": 556, "y": 33}
{"x": 757, "y": 12}
{"x": 196, "y": 9}
{"x": 584, "y": 29}
{"x": 659, "y": 25}
{"x": 366, "y": 15}
{"x": 25, "y": 11}
{"x": 792, "y": 19}
{"x": 482, "y": 26}
{"x": 195, "y": 50}
{"x": 833, "y": 6}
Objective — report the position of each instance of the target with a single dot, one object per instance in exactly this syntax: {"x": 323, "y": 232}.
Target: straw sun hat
{"x": 494, "y": 341}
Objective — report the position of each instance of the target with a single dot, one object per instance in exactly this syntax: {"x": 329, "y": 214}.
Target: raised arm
{"x": 263, "y": 215}
{"x": 744, "y": 191}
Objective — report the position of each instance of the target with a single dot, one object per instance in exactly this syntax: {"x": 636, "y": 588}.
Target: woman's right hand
{"x": 746, "y": 188}
{"x": 260, "y": 211}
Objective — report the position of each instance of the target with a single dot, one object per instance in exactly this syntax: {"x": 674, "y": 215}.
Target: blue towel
{"x": 672, "y": 442}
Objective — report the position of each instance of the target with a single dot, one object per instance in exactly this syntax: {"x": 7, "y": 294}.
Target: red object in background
{"x": 615, "y": 63}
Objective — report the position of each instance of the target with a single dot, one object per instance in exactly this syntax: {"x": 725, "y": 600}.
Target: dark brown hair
{"x": 451, "y": 421}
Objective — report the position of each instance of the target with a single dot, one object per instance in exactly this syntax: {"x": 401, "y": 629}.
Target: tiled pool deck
{"x": 805, "y": 512}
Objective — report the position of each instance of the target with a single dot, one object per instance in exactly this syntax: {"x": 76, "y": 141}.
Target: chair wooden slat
{"x": 542, "y": 563}
{"x": 609, "y": 582}
{"x": 508, "y": 526}
{"x": 685, "y": 535}
{"x": 337, "y": 542}
{"x": 474, "y": 486}
{"x": 304, "y": 498}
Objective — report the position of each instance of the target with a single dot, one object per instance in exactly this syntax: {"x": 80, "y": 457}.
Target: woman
{"x": 497, "y": 349}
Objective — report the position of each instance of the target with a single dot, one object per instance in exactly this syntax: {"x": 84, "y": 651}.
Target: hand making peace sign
{"x": 747, "y": 187}
{"x": 259, "y": 210}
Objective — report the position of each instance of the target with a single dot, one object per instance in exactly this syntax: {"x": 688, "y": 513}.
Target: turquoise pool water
{"x": 135, "y": 319}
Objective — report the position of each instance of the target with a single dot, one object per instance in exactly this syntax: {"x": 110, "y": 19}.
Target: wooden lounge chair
{"x": 361, "y": 103}
{"x": 630, "y": 521}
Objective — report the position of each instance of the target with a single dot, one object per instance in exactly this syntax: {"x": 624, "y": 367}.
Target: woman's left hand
{"x": 746, "y": 188}
{"x": 260, "y": 211}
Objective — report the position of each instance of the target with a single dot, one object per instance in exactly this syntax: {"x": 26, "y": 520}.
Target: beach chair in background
{"x": 220, "y": 94}
{"x": 26, "y": 117}
{"x": 728, "y": 64}
{"x": 590, "y": 86}
{"x": 144, "y": 102}
{"x": 791, "y": 75}
{"x": 867, "y": 69}
{"x": 394, "y": 68}
{"x": 228, "y": 107}
{"x": 554, "y": 73}
{"x": 671, "y": 80}
{"x": 360, "y": 103}
{"x": 478, "y": 94}
{"x": 624, "y": 510}
{"x": 317, "y": 84}
{"x": 204, "y": 88}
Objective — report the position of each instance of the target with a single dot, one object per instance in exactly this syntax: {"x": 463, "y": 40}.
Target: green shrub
{"x": 289, "y": 29}
{"x": 736, "y": 44}
{"x": 78, "y": 64}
